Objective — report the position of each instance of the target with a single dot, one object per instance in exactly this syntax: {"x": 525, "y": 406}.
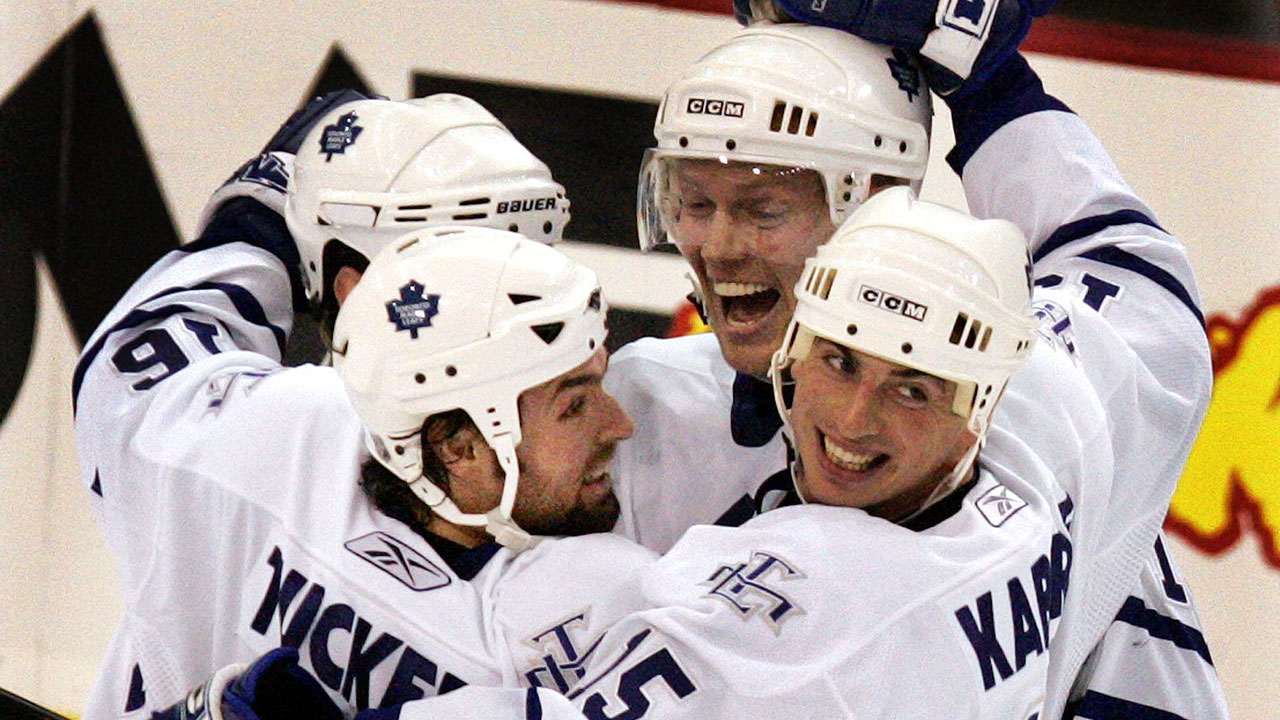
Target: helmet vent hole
{"x": 591, "y": 343}
{"x": 513, "y": 227}
{"x": 684, "y": 142}
{"x": 779, "y": 112}
{"x": 852, "y": 329}
{"x": 847, "y": 196}
{"x": 827, "y": 279}
{"x": 312, "y": 265}
{"x": 548, "y": 332}
{"x": 982, "y": 404}
{"x": 473, "y": 201}
{"x": 730, "y": 144}
{"x": 879, "y": 141}
{"x": 451, "y": 371}
{"x": 957, "y": 330}
{"x": 594, "y": 301}
{"x": 546, "y": 227}
{"x": 471, "y": 216}
{"x": 812, "y": 125}
{"x": 399, "y": 449}
{"x": 986, "y": 339}
{"x": 902, "y": 146}
{"x": 519, "y": 299}
{"x": 793, "y": 125}
{"x": 408, "y": 208}
{"x": 972, "y": 337}
{"x": 848, "y": 179}
{"x": 419, "y": 378}
{"x": 906, "y": 348}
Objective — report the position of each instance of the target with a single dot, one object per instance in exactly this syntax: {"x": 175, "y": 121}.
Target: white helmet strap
{"x": 497, "y": 521}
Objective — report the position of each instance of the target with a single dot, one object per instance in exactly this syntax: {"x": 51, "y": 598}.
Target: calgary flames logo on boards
{"x": 1232, "y": 480}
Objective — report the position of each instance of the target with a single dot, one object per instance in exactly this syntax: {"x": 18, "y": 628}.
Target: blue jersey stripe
{"x": 1085, "y": 227}
{"x": 242, "y": 300}
{"x": 1114, "y": 256}
{"x": 1135, "y": 612}
{"x": 1098, "y": 706}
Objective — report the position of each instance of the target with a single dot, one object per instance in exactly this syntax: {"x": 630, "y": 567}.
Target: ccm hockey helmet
{"x": 784, "y": 97}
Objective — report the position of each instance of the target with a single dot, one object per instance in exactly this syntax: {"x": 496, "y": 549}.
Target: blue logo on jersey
{"x": 399, "y": 561}
{"x": 413, "y": 311}
{"x": 563, "y": 664}
{"x": 904, "y": 70}
{"x": 745, "y": 588}
{"x": 337, "y": 137}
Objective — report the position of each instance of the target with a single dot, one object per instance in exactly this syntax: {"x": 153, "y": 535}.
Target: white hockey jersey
{"x": 1117, "y": 298}
{"x": 227, "y": 489}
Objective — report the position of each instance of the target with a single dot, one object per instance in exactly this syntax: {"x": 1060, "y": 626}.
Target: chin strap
{"x": 498, "y": 521}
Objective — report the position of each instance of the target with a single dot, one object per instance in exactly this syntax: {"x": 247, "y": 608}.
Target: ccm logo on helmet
{"x": 892, "y": 303}
{"x": 510, "y": 206}
{"x": 705, "y": 106}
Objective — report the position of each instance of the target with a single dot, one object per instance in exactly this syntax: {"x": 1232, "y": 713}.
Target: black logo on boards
{"x": 399, "y": 561}
{"x": 711, "y": 106}
{"x": 893, "y": 303}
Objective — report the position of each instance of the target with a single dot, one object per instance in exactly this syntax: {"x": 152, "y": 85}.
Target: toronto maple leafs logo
{"x": 398, "y": 560}
{"x": 904, "y": 70}
{"x": 999, "y": 504}
{"x": 337, "y": 137}
{"x": 413, "y": 311}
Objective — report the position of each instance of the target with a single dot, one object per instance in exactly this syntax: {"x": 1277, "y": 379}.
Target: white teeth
{"x": 846, "y": 459}
{"x": 737, "y": 289}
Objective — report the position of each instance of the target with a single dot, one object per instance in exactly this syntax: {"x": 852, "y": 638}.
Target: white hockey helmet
{"x": 787, "y": 96}
{"x": 924, "y": 286}
{"x": 462, "y": 318}
{"x": 372, "y": 170}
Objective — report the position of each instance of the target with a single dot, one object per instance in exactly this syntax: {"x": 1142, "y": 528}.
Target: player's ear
{"x": 344, "y": 282}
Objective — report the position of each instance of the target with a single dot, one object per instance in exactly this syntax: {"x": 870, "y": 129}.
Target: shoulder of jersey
{"x": 694, "y": 354}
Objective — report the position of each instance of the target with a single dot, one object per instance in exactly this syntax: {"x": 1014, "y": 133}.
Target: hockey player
{"x": 239, "y": 496}
{"x": 747, "y": 193}
{"x": 825, "y": 610}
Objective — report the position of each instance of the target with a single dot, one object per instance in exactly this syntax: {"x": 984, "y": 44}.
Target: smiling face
{"x": 746, "y": 230}
{"x": 872, "y": 434}
{"x": 570, "y": 429}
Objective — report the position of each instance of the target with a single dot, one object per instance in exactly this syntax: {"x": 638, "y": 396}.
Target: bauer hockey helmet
{"x": 462, "y": 318}
{"x": 788, "y": 96}
{"x": 923, "y": 286}
{"x": 372, "y": 170}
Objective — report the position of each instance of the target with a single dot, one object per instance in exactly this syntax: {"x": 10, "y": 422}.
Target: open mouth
{"x": 857, "y": 462}
{"x": 745, "y": 303}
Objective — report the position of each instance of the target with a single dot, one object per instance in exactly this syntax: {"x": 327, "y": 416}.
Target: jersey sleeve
{"x": 1113, "y": 291}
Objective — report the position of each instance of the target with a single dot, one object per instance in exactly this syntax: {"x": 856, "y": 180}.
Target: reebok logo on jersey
{"x": 337, "y": 137}
{"x": 999, "y": 504}
{"x": 399, "y": 561}
{"x": 713, "y": 106}
{"x": 414, "y": 310}
{"x": 892, "y": 303}
{"x": 745, "y": 587}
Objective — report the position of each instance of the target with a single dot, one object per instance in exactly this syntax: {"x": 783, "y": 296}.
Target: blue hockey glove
{"x": 274, "y": 687}
{"x": 960, "y": 42}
